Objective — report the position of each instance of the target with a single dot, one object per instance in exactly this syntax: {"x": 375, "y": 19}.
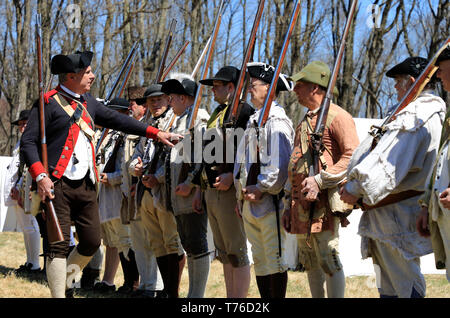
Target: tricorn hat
{"x": 265, "y": 73}
{"x": 445, "y": 55}
{"x": 23, "y": 115}
{"x": 153, "y": 90}
{"x": 225, "y": 74}
{"x": 316, "y": 72}
{"x": 72, "y": 63}
{"x": 137, "y": 93}
{"x": 412, "y": 66}
{"x": 185, "y": 87}
{"x": 118, "y": 103}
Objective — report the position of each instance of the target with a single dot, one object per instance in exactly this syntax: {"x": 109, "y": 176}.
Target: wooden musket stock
{"x": 54, "y": 231}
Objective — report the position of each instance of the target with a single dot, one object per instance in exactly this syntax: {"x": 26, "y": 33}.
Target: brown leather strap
{"x": 392, "y": 198}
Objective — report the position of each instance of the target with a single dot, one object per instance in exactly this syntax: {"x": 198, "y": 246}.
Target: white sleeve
{"x": 396, "y": 154}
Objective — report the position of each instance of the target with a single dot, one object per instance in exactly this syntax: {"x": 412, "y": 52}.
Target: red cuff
{"x": 151, "y": 132}
{"x": 36, "y": 169}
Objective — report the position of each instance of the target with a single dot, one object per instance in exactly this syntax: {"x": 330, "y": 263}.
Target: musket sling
{"x": 390, "y": 199}
{"x": 77, "y": 116}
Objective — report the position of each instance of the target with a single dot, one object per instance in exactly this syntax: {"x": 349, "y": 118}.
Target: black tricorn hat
{"x": 72, "y": 63}
{"x": 185, "y": 87}
{"x": 118, "y": 103}
{"x": 445, "y": 55}
{"x": 153, "y": 90}
{"x": 413, "y": 66}
{"x": 225, "y": 74}
{"x": 23, "y": 115}
{"x": 265, "y": 73}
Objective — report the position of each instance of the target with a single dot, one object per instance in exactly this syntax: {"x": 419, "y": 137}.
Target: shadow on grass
{"x": 5, "y": 271}
{"x": 82, "y": 293}
{"x": 38, "y": 276}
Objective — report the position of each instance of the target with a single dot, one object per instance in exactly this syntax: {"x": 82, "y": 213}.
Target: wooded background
{"x": 382, "y": 35}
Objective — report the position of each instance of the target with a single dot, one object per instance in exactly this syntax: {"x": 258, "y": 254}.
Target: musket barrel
{"x": 248, "y": 54}
{"x": 271, "y": 92}
{"x": 128, "y": 66}
{"x": 419, "y": 84}
{"x": 334, "y": 74}
{"x": 174, "y": 60}
{"x": 125, "y": 65}
{"x": 166, "y": 51}
{"x": 198, "y": 95}
{"x": 202, "y": 56}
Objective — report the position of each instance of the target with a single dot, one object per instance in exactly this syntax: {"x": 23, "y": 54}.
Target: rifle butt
{"x": 54, "y": 231}
{"x": 252, "y": 178}
{"x": 310, "y": 219}
{"x": 183, "y": 173}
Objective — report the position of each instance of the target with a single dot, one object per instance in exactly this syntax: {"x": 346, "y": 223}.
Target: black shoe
{"x": 144, "y": 293}
{"x": 70, "y": 293}
{"x": 104, "y": 288}
{"x": 137, "y": 293}
{"x": 161, "y": 294}
{"x": 89, "y": 278}
{"x": 125, "y": 290}
{"x": 27, "y": 269}
{"x": 148, "y": 294}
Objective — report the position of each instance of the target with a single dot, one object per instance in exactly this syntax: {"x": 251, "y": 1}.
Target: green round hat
{"x": 316, "y": 72}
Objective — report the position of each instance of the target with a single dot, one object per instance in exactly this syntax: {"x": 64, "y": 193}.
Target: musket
{"x": 162, "y": 63}
{"x": 198, "y": 95}
{"x": 413, "y": 92}
{"x": 126, "y": 69}
{"x": 174, "y": 60}
{"x": 150, "y": 167}
{"x": 202, "y": 56}
{"x": 232, "y": 115}
{"x": 54, "y": 231}
{"x": 204, "y": 74}
{"x": 160, "y": 76}
{"x": 317, "y": 135}
{"x": 255, "y": 168}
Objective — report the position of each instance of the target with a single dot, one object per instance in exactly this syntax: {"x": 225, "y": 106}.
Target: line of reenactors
{"x": 152, "y": 184}
{"x": 153, "y": 208}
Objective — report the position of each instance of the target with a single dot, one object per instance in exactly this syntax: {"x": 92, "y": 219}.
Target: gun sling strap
{"x": 390, "y": 199}
{"x": 76, "y": 115}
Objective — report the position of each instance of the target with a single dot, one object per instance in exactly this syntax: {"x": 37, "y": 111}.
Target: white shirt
{"x": 82, "y": 152}
{"x": 441, "y": 181}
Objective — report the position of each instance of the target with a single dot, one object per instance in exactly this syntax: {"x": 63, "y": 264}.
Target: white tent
{"x": 8, "y": 221}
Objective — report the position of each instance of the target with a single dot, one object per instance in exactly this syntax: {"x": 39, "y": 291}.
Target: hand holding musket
{"x": 230, "y": 121}
{"x": 255, "y": 168}
{"x": 317, "y": 146}
{"x": 251, "y": 191}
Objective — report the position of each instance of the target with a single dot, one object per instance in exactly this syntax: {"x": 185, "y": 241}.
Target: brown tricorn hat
{"x": 136, "y": 92}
